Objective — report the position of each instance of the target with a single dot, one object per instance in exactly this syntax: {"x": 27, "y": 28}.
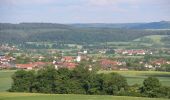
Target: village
{"x": 124, "y": 59}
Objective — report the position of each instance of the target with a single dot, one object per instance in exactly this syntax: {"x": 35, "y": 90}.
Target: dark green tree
{"x": 151, "y": 87}
{"x": 23, "y": 81}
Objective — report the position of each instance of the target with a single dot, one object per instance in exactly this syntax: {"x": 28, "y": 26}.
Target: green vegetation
{"x": 144, "y": 74}
{"x": 65, "y": 34}
{"x": 133, "y": 77}
{"x": 151, "y": 39}
{"x": 82, "y": 81}
{"x": 64, "y": 81}
{"x": 137, "y": 77}
{"x": 5, "y": 79}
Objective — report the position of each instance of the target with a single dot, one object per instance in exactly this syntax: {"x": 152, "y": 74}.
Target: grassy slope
{"x": 155, "y": 38}
{"x": 28, "y": 96}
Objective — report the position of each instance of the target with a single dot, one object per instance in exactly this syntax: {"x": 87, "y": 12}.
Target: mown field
{"x": 29, "y": 96}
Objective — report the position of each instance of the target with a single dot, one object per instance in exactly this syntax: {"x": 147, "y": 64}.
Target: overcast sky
{"x": 84, "y": 11}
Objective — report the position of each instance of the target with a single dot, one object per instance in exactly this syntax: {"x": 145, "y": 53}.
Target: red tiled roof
{"x": 25, "y": 66}
{"x": 39, "y": 63}
{"x": 31, "y": 65}
{"x": 70, "y": 65}
{"x": 108, "y": 62}
{"x": 68, "y": 58}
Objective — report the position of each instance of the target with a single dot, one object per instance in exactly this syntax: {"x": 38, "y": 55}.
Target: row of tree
{"x": 83, "y": 81}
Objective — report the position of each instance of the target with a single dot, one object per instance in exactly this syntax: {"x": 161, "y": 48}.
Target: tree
{"x": 151, "y": 87}
{"x": 46, "y": 80}
{"x": 111, "y": 83}
{"x": 23, "y": 81}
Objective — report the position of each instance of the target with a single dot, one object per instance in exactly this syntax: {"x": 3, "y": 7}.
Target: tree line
{"x": 82, "y": 81}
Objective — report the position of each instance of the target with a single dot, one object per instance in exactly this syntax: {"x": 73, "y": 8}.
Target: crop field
{"x": 33, "y": 96}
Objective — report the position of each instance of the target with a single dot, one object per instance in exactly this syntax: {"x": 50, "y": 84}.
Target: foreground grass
{"x": 33, "y": 96}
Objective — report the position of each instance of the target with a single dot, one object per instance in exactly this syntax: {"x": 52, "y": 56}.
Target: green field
{"x": 29, "y": 96}
{"x": 5, "y": 80}
{"x": 137, "y": 77}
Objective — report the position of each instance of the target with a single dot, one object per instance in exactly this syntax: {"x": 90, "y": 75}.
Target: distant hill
{"x": 78, "y": 33}
{"x": 152, "y": 25}
{"x": 32, "y": 26}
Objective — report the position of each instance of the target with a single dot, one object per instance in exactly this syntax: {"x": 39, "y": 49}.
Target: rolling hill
{"x": 78, "y": 33}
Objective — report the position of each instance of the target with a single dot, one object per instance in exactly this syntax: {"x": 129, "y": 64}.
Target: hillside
{"x": 38, "y": 32}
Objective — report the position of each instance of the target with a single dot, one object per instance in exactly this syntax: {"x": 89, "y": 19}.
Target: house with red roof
{"x": 69, "y": 65}
{"x": 109, "y": 64}
{"x": 25, "y": 66}
{"x": 67, "y": 59}
{"x": 32, "y": 65}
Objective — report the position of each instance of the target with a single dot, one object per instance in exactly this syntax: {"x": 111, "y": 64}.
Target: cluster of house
{"x": 69, "y": 61}
{"x": 107, "y": 64}
{"x": 156, "y": 63}
{"x": 32, "y": 65}
{"x": 66, "y": 62}
{"x": 6, "y": 61}
{"x": 132, "y": 52}
{"x": 8, "y": 48}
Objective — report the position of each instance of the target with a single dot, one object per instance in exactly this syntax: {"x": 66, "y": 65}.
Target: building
{"x": 109, "y": 64}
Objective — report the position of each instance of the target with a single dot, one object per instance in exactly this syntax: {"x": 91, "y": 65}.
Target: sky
{"x": 84, "y": 11}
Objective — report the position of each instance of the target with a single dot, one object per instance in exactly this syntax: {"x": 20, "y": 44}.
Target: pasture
{"x": 33, "y": 96}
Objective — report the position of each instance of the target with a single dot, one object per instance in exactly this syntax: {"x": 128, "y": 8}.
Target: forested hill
{"x": 38, "y": 32}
